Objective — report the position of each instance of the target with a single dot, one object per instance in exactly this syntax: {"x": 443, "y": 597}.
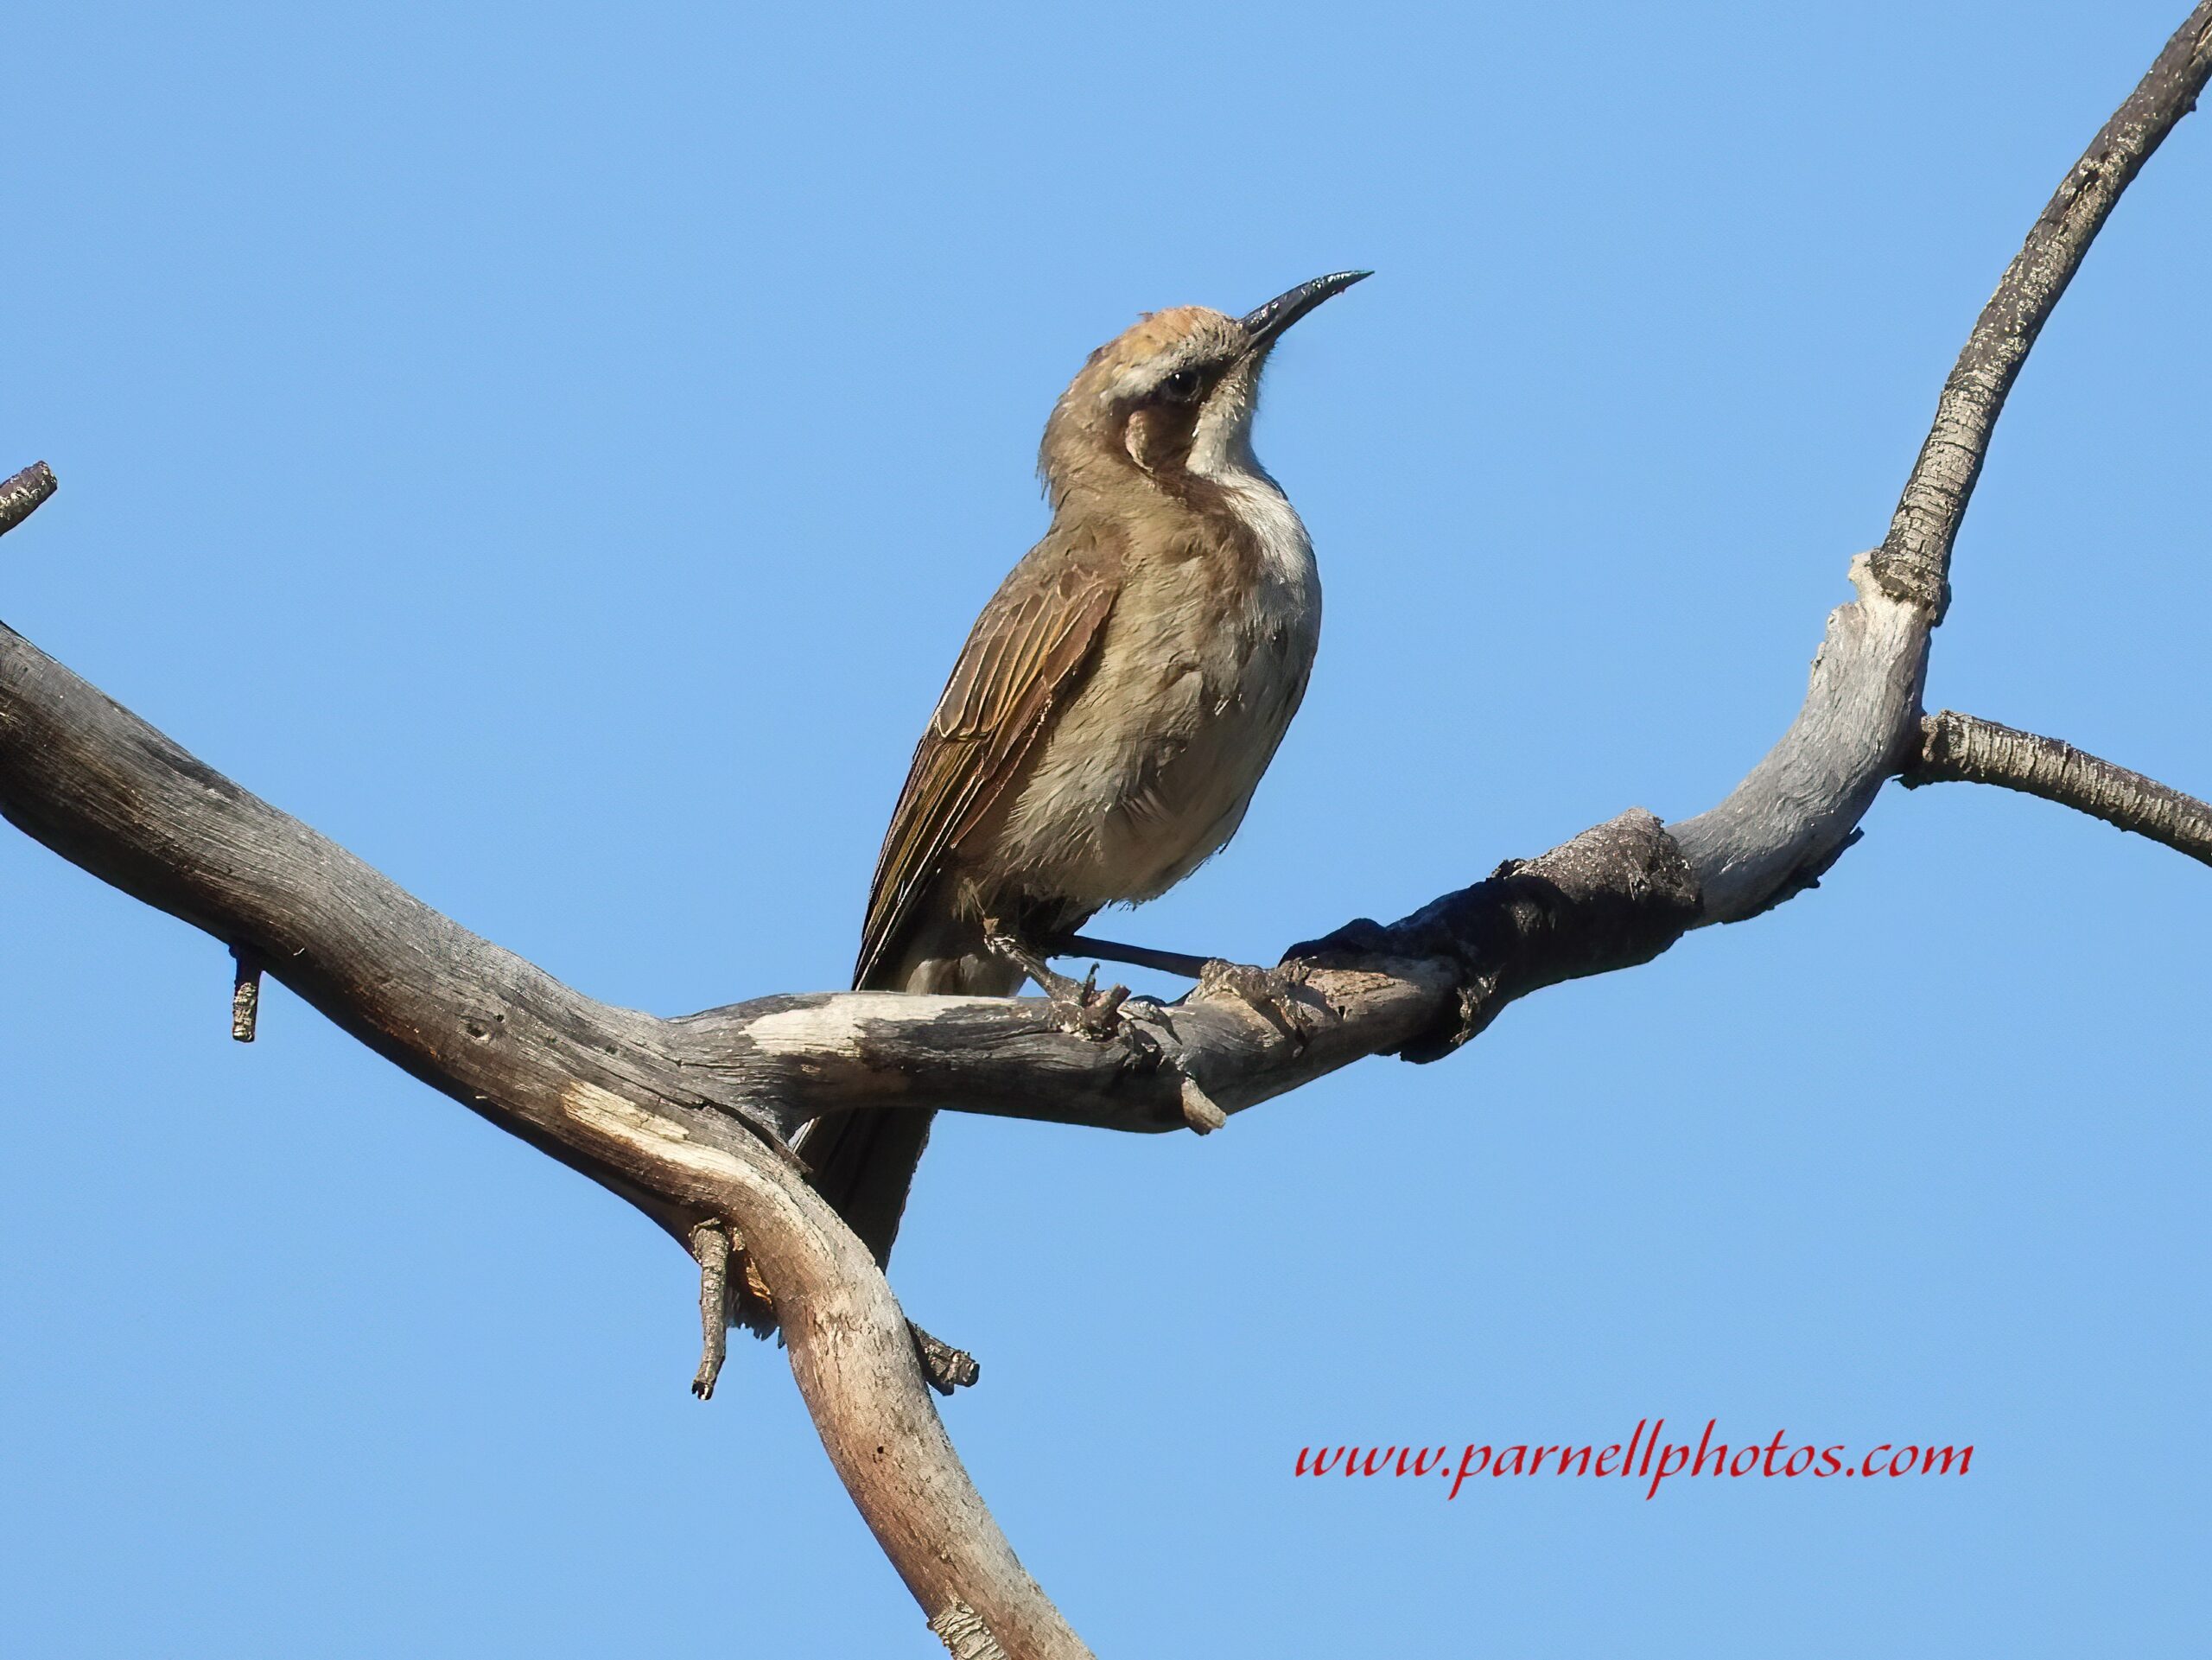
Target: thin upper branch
{"x": 1797, "y": 811}
{"x": 20, "y": 496}
{"x": 1915, "y": 560}
{"x": 1961, "y": 748}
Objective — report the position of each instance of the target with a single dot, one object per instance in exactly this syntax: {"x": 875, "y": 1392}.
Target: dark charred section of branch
{"x": 20, "y": 495}
{"x": 1962, "y": 749}
{"x": 1614, "y": 897}
{"x": 1914, "y": 564}
{"x": 1797, "y": 811}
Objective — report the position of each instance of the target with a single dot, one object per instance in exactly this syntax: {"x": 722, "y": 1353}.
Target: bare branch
{"x": 246, "y": 997}
{"x": 1615, "y": 896}
{"x": 1962, "y": 749}
{"x": 1792, "y": 817}
{"x": 946, "y": 1368}
{"x": 710, "y": 1245}
{"x": 965, "y": 1634}
{"x": 853, "y": 1359}
{"x": 20, "y": 496}
{"x": 98, "y": 785}
{"x": 614, "y": 1094}
{"x": 687, "y": 1119}
{"x": 1794, "y": 813}
{"x": 1915, "y": 560}
{"x": 1199, "y": 1111}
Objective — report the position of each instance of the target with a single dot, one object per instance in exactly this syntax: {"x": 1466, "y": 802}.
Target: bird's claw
{"x": 1272, "y": 993}
{"x": 1077, "y": 1006}
{"x": 1084, "y": 1010}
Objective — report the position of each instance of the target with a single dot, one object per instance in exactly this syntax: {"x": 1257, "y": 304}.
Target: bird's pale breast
{"x": 1148, "y": 769}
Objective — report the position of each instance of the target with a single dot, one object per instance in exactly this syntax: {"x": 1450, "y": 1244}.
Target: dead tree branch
{"x": 1798, "y": 810}
{"x": 21, "y": 496}
{"x": 1962, "y": 749}
{"x": 614, "y": 1094}
{"x": 688, "y": 1119}
{"x": 1915, "y": 560}
{"x": 710, "y": 1245}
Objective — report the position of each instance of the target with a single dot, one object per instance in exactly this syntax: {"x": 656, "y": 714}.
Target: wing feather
{"x": 1026, "y": 652}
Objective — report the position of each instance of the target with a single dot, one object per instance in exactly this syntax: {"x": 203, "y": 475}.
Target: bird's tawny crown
{"x": 1170, "y": 396}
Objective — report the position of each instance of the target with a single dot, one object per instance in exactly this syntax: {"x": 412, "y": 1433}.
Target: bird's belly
{"x": 1148, "y": 771}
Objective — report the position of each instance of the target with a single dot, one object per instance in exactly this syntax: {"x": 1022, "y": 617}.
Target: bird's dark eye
{"x": 1181, "y": 386}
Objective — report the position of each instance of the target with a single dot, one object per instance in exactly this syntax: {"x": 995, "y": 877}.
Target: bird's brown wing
{"x": 1024, "y": 655}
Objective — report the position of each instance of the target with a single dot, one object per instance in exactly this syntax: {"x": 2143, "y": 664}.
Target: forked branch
{"x": 1960, "y": 749}
{"x": 1799, "y": 809}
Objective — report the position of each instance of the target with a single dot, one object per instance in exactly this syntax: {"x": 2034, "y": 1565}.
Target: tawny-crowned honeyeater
{"x": 1116, "y": 703}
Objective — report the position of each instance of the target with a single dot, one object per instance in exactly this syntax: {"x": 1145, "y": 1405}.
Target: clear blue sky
{"x": 557, "y": 454}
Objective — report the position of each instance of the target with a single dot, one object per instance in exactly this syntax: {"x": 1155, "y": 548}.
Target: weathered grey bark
{"x": 629, "y": 1100}
{"x": 688, "y": 1119}
{"x": 92, "y": 781}
{"x": 1958, "y": 749}
{"x": 1778, "y": 831}
{"x": 1799, "y": 809}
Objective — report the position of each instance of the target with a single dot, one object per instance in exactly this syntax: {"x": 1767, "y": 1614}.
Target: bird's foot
{"x": 1275, "y": 994}
{"x": 1078, "y": 1005}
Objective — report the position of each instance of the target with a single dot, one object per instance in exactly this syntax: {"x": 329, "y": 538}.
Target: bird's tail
{"x": 863, "y": 1160}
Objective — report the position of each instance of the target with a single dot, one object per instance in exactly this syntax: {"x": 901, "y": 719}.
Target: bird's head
{"x": 1172, "y": 396}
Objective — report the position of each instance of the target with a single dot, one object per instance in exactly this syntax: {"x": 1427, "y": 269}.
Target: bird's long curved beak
{"x": 1271, "y": 319}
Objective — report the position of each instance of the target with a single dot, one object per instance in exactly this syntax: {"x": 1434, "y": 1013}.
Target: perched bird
{"x": 1116, "y": 703}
